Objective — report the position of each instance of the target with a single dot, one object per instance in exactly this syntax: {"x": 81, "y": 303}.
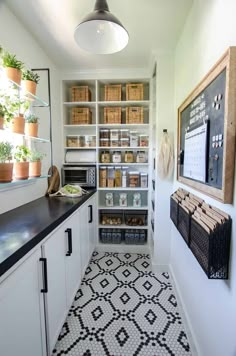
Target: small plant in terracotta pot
{"x": 13, "y": 66}
{"x": 31, "y": 125}
{"x": 35, "y": 163}
{"x": 3, "y": 111}
{"x": 6, "y": 167}
{"x": 30, "y": 80}
{"x": 21, "y": 164}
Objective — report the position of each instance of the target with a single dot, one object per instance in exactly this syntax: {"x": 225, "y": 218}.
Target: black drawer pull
{"x": 69, "y": 231}
{"x": 91, "y": 214}
{"x": 45, "y": 275}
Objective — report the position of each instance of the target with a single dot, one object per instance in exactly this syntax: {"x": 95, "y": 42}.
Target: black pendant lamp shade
{"x": 100, "y": 32}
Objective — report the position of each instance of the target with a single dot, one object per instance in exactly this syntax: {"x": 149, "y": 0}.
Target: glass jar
{"x": 143, "y": 180}
{"x": 141, "y": 157}
{"x": 109, "y": 199}
{"x": 124, "y": 133}
{"x": 124, "y": 177}
{"x": 110, "y": 177}
{"x": 123, "y": 199}
{"x": 116, "y": 157}
{"x": 105, "y": 157}
{"x": 129, "y": 156}
{"x": 124, "y": 142}
{"x": 115, "y": 143}
{"x": 104, "y": 133}
{"x": 137, "y": 200}
{"x": 103, "y": 177}
{"x": 134, "y": 179}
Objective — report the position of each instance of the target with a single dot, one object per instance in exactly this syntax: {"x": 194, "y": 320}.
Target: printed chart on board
{"x": 195, "y": 153}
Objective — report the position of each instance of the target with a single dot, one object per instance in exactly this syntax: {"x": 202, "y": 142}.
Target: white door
{"x": 22, "y": 327}
{"x": 54, "y": 250}
{"x": 73, "y": 259}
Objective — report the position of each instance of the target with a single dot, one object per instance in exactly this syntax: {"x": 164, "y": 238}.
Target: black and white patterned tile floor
{"x": 123, "y": 309}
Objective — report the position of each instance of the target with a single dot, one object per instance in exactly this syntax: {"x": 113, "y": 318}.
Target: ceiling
{"x": 153, "y": 25}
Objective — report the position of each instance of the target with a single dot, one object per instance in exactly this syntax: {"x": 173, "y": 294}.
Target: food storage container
{"x": 110, "y": 177}
{"x": 123, "y": 199}
{"x": 104, "y": 133}
{"x": 89, "y": 141}
{"x": 137, "y": 200}
{"x": 103, "y": 177}
{"x": 124, "y": 177}
{"x": 115, "y": 143}
{"x": 124, "y": 133}
{"x": 109, "y": 199}
{"x": 114, "y": 134}
{"x": 117, "y": 176}
{"x": 104, "y": 142}
{"x": 124, "y": 142}
{"x": 105, "y": 157}
{"x": 116, "y": 157}
{"x": 141, "y": 157}
{"x": 143, "y": 140}
{"x": 129, "y": 156}
{"x": 133, "y": 139}
{"x": 143, "y": 180}
{"x": 133, "y": 179}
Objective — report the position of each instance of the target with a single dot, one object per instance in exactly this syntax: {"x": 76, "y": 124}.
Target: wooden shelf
{"x": 122, "y": 226}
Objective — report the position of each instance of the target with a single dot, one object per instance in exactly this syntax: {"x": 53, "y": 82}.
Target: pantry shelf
{"x": 80, "y": 126}
{"x": 79, "y": 148}
{"x": 124, "y": 103}
{"x": 90, "y": 104}
{"x": 123, "y": 226}
{"x": 124, "y": 148}
{"x": 121, "y": 126}
{"x": 120, "y": 188}
{"x": 123, "y": 164}
{"x": 104, "y": 207}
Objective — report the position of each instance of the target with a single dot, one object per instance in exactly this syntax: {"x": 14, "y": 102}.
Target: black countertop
{"x": 23, "y": 228}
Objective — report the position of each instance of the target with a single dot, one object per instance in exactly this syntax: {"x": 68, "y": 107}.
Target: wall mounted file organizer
{"x": 205, "y": 229}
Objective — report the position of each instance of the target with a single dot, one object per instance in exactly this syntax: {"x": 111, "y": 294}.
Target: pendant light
{"x": 100, "y": 32}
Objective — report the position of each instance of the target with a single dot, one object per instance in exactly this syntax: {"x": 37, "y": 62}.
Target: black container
{"x": 184, "y": 224}
{"x": 174, "y": 211}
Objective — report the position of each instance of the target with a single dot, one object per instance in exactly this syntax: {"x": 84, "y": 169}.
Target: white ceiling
{"x": 153, "y": 25}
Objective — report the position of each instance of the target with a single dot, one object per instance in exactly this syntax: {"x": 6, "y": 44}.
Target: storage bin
{"x": 135, "y": 237}
{"x": 81, "y": 116}
{"x": 111, "y": 218}
{"x": 174, "y": 211}
{"x": 113, "y": 92}
{"x": 113, "y": 236}
{"x": 80, "y": 93}
{"x": 112, "y": 115}
{"x": 136, "y": 218}
{"x": 75, "y": 141}
{"x": 184, "y": 223}
{"x": 134, "y": 115}
{"x": 134, "y": 91}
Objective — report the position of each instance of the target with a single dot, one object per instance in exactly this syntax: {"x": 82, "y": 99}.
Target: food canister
{"x": 129, "y": 156}
{"x": 133, "y": 138}
{"x": 105, "y": 157}
{"x": 141, "y": 157}
{"x": 104, "y": 133}
{"x": 104, "y": 142}
{"x": 114, "y": 134}
{"x": 117, "y": 176}
{"x": 116, "y": 157}
{"x": 143, "y": 180}
{"x": 115, "y": 143}
{"x": 143, "y": 140}
{"x": 124, "y": 142}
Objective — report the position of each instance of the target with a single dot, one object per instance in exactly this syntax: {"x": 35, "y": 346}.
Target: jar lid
{"x": 114, "y": 130}
{"x": 115, "y": 152}
{"x": 103, "y": 139}
{"x": 106, "y": 130}
{"x": 118, "y": 167}
{"x": 124, "y": 139}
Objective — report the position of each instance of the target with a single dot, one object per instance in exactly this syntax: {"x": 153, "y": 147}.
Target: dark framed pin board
{"x": 206, "y": 132}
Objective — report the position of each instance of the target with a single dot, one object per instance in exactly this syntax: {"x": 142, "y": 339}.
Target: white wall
{"x": 210, "y": 304}
{"x": 15, "y": 38}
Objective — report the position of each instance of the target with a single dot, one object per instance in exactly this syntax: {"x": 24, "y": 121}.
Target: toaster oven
{"x": 85, "y": 176}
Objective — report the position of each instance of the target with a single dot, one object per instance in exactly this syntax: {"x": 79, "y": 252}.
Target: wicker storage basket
{"x": 134, "y": 115}
{"x": 81, "y": 116}
{"x": 112, "y": 115}
{"x": 134, "y": 91}
{"x": 113, "y": 92}
{"x": 80, "y": 93}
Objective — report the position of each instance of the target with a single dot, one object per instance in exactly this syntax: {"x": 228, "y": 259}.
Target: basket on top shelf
{"x": 81, "y": 116}
{"x": 134, "y": 115}
{"x": 80, "y": 93}
{"x": 112, "y": 115}
{"x": 113, "y": 92}
{"x": 134, "y": 91}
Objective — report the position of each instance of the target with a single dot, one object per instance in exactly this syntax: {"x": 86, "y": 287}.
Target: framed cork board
{"x": 206, "y": 132}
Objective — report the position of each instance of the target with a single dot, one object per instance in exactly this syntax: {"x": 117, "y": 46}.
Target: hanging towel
{"x": 166, "y": 157}
{"x": 53, "y": 181}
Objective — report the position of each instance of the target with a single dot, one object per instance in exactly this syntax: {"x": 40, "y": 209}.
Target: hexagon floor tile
{"x": 123, "y": 309}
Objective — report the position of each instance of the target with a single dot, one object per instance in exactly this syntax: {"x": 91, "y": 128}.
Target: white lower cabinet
{"x": 41, "y": 290}
{"x": 22, "y": 325}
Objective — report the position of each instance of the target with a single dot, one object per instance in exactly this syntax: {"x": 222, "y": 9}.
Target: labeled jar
{"x": 129, "y": 156}
{"x": 105, "y": 157}
{"x": 141, "y": 157}
{"x": 104, "y": 142}
{"x": 143, "y": 140}
{"x": 109, "y": 199}
{"x": 116, "y": 157}
{"x": 104, "y": 133}
{"x": 134, "y": 179}
{"x": 123, "y": 199}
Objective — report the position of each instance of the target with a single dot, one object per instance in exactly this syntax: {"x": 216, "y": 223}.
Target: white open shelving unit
{"x": 97, "y": 106}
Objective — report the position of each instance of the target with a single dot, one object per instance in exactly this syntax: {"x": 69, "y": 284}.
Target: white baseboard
{"x": 183, "y": 310}
{"x": 159, "y": 268}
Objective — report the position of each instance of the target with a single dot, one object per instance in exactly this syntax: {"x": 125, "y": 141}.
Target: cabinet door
{"x": 92, "y": 224}
{"x": 73, "y": 259}
{"x": 22, "y": 327}
{"x": 54, "y": 250}
{"x": 84, "y": 240}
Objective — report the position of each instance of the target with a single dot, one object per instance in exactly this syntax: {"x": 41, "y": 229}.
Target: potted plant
{"x": 6, "y": 167}
{"x": 21, "y": 164}
{"x": 31, "y": 125}
{"x": 30, "y": 80}
{"x": 35, "y": 163}
{"x": 12, "y": 66}
{"x": 15, "y": 117}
